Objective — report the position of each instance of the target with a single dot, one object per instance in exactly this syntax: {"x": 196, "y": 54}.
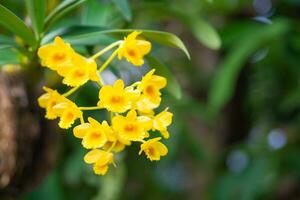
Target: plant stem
{"x": 113, "y": 55}
{"x": 71, "y": 91}
{"x": 90, "y": 108}
{"x": 81, "y": 119}
{"x": 112, "y": 146}
{"x": 106, "y": 49}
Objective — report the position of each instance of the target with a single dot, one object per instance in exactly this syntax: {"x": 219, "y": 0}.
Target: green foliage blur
{"x": 235, "y": 134}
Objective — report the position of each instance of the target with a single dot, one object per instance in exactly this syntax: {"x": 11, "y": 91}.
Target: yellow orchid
{"x": 75, "y": 68}
{"x": 134, "y": 49}
{"x": 93, "y": 134}
{"x": 53, "y": 55}
{"x": 68, "y": 113}
{"x": 151, "y": 84}
{"x": 154, "y": 149}
{"x": 161, "y": 121}
{"x": 78, "y": 71}
{"x": 101, "y": 159}
{"x": 115, "y": 98}
{"x": 49, "y": 100}
{"x": 131, "y": 127}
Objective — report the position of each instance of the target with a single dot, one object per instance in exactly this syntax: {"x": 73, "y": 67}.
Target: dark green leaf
{"x": 96, "y": 13}
{"x": 225, "y": 79}
{"x": 14, "y": 24}
{"x": 124, "y": 8}
{"x": 173, "y": 86}
{"x": 8, "y": 55}
{"x": 62, "y": 9}
{"x": 36, "y": 10}
{"x": 205, "y": 33}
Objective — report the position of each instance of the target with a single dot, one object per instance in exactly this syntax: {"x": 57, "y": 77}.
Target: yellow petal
{"x": 81, "y": 130}
{"x": 93, "y": 156}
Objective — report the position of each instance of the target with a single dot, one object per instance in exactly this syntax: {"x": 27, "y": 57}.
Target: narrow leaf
{"x": 224, "y": 82}
{"x": 8, "y": 55}
{"x": 36, "y": 10}
{"x": 62, "y": 9}
{"x": 205, "y": 33}
{"x": 124, "y": 8}
{"x": 14, "y": 24}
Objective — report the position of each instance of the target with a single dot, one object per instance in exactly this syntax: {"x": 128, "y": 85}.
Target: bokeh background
{"x": 236, "y": 128}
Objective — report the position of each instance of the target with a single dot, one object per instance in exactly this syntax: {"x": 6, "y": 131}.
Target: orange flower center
{"x": 151, "y": 151}
{"x": 131, "y": 52}
{"x": 116, "y": 99}
{"x": 150, "y": 90}
{"x": 130, "y": 128}
{"x": 70, "y": 116}
{"x": 59, "y": 57}
{"x": 96, "y": 135}
{"x": 79, "y": 73}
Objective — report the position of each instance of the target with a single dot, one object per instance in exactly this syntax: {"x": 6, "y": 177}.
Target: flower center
{"x": 150, "y": 90}
{"x": 151, "y": 151}
{"x": 131, "y": 53}
{"x": 79, "y": 73}
{"x": 116, "y": 99}
{"x": 70, "y": 116}
{"x": 96, "y": 135}
{"x": 130, "y": 128}
{"x": 58, "y": 57}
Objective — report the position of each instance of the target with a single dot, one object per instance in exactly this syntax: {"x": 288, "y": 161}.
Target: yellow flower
{"x": 161, "y": 121}
{"x": 101, "y": 159}
{"x": 146, "y": 105}
{"x": 115, "y": 98}
{"x": 81, "y": 130}
{"x": 68, "y": 113}
{"x": 93, "y": 134}
{"x": 118, "y": 146}
{"x": 53, "y": 55}
{"x": 115, "y": 143}
{"x": 131, "y": 127}
{"x": 154, "y": 149}
{"x": 78, "y": 71}
{"x": 49, "y": 100}
{"x": 151, "y": 85}
{"x": 134, "y": 49}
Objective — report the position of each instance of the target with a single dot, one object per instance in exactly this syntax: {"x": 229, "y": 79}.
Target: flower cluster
{"x": 131, "y": 108}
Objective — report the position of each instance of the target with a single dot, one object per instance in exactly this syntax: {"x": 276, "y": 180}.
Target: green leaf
{"x": 62, "y": 9}
{"x": 124, "y": 8}
{"x": 36, "y": 10}
{"x": 8, "y": 55}
{"x": 222, "y": 87}
{"x": 5, "y": 40}
{"x": 173, "y": 86}
{"x": 96, "y": 13}
{"x": 14, "y": 24}
{"x": 205, "y": 33}
{"x": 86, "y": 35}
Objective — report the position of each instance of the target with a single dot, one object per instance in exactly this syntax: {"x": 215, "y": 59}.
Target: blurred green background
{"x": 235, "y": 133}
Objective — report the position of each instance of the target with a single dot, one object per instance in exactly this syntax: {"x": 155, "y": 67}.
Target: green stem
{"x": 71, "y": 91}
{"x": 112, "y": 146}
{"x": 113, "y": 55}
{"x": 90, "y": 108}
{"x": 106, "y": 49}
{"x": 81, "y": 119}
